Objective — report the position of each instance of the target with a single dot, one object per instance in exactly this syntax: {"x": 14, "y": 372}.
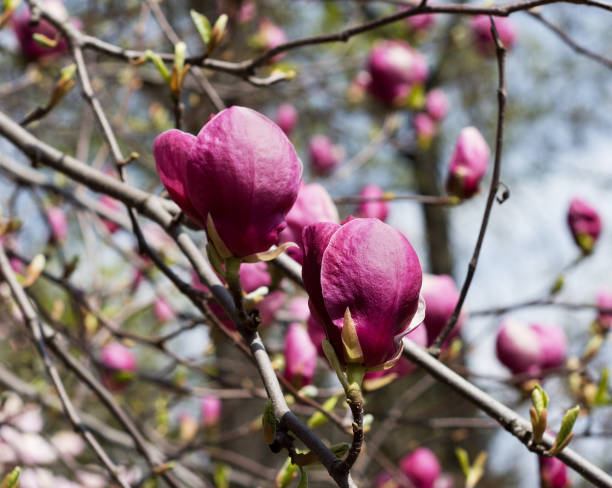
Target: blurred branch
{"x": 506, "y": 417}
{"x": 607, "y": 62}
{"x": 36, "y": 331}
{"x": 494, "y": 186}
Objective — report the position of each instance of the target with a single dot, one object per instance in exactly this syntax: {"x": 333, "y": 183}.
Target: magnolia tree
{"x": 187, "y": 303}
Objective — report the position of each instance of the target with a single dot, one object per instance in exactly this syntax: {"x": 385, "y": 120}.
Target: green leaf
{"x": 318, "y": 418}
{"x": 68, "y": 71}
{"x": 159, "y": 64}
{"x": 303, "y": 479}
{"x": 221, "y": 476}
{"x": 286, "y": 474}
{"x": 202, "y": 25}
{"x": 539, "y": 398}
{"x": 565, "y": 432}
{"x": 180, "y": 52}
{"x": 268, "y": 422}
{"x": 602, "y": 397}
{"x": 11, "y": 480}
{"x": 464, "y": 460}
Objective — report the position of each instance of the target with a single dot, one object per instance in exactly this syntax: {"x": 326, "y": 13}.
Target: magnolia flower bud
{"x": 394, "y": 68}
{"x": 584, "y": 223}
{"x": 553, "y": 473}
{"x": 298, "y": 309}
{"x": 530, "y": 348}
{"x": 114, "y": 206}
{"x": 483, "y": 38}
{"x": 269, "y": 36}
{"x": 553, "y": 344}
{"x": 437, "y": 104}
{"x": 421, "y": 467}
{"x": 518, "y": 347}
{"x": 468, "y": 163}
{"x": 386, "y": 480}
{"x": 211, "y": 411}
{"x": 376, "y": 209}
{"x": 58, "y": 223}
{"x": 300, "y": 356}
{"x": 324, "y": 156}
{"x": 313, "y": 205}
{"x": 254, "y": 275}
{"x": 441, "y": 297}
{"x": 425, "y": 129}
{"x": 286, "y": 118}
{"x": 270, "y": 305}
{"x": 421, "y": 21}
{"x": 604, "y": 300}
{"x": 25, "y": 32}
{"x": 162, "y": 310}
{"x": 353, "y": 294}
{"x": 241, "y": 171}
{"x": 69, "y": 444}
{"x": 120, "y": 363}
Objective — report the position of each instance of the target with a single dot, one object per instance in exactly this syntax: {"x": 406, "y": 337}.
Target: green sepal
{"x": 268, "y": 422}
{"x": 286, "y": 474}
{"x": 11, "y": 480}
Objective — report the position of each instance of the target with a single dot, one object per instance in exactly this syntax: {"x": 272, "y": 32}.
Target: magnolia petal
{"x": 270, "y": 254}
{"x": 419, "y": 316}
{"x": 215, "y": 239}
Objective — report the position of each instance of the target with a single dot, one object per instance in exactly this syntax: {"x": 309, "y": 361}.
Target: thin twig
{"x": 494, "y": 186}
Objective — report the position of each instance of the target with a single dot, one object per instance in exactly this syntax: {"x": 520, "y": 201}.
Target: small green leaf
{"x": 464, "y": 460}
{"x": 303, "y": 479}
{"x": 68, "y": 71}
{"x": 202, "y": 25}
{"x": 318, "y": 418}
{"x": 286, "y": 474}
{"x": 11, "y": 480}
{"x": 221, "y": 476}
{"x": 159, "y": 64}
{"x": 268, "y": 422}
{"x": 602, "y": 397}
{"x": 565, "y": 432}
{"x": 180, "y": 52}
{"x": 558, "y": 284}
{"x": 539, "y": 398}
{"x": 43, "y": 40}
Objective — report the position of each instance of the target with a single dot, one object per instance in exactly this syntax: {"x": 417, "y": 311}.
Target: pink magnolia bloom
{"x": 444, "y": 481}
{"x": 68, "y": 443}
{"x": 313, "y": 205}
{"x": 553, "y": 473}
{"x": 286, "y": 118}
{"x": 421, "y": 21}
{"x": 441, "y": 297}
{"x": 241, "y": 170}
{"x": 386, "y": 480}
{"x": 270, "y": 305}
{"x": 369, "y": 268}
{"x": 254, "y": 275}
{"x": 359, "y": 85}
{"x": 271, "y": 35}
{"x": 377, "y": 209}
{"x": 604, "y": 300}
{"x": 425, "y": 128}
{"x": 421, "y": 467}
{"x": 553, "y": 344}
{"x": 394, "y": 68}
{"x": 437, "y": 104}
{"x": 211, "y": 411}
{"x": 58, "y": 223}
{"x": 163, "y": 310}
{"x": 584, "y": 223}
{"x": 119, "y": 362}
{"x": 324, "y": 155}
{"x": 300, "y": 356}
{"x": 316, "y": 333}
{"x": 298, "y": 309}
{"x": 483, "y": 38}
{"x": 114, "y": 206}
{"x": 468, "y": 163}
{"x": 529, "y": 348}
{"x": 25, "y": 32}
